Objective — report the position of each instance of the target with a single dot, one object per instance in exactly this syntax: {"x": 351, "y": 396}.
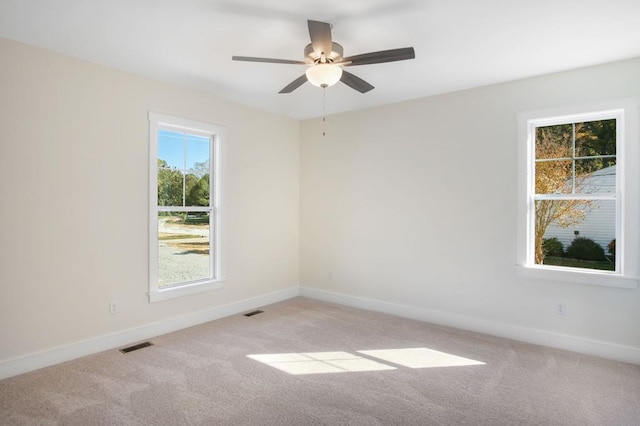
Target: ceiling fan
{"x": 325, "y": 61}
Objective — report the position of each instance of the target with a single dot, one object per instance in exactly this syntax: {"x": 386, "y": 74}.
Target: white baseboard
{"x": 105, "y": 342}
{"x": 494, "y": 328}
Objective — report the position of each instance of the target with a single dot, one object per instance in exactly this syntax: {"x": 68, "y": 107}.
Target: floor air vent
{"x": 250, "y": 314}
{"x": 136, "y": 347}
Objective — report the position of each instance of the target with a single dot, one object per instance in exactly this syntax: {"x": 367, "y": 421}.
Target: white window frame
{"x": 158, "y": 122}
{"x": 627, "y": 193}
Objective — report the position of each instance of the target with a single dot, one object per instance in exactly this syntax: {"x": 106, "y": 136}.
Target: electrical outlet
{"x": 561, "y": 309}
{"x": 114, "y": 307}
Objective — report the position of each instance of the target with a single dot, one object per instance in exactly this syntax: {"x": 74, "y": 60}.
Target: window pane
{"x": 170, "y": 187}
{"x": 575, "y": 233}
{"x": 587, "y": 166}
{"x": 171, "y": 149}
{"x": 554, "y": 141}
{"x": 198, "y": 167}
{"x": 198, "y": 148}
{"x": 170, "y": 166}
{"x": 554, "y": 177}
{"x": 183, "y": 247}
{"x": 593, "y": 177}
{"x": 594, "y": 138}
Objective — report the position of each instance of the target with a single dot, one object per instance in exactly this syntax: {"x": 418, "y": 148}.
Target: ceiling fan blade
{"x": 294, "y": 84}
{"x": 320, "y": 34}
{"x": 269, "y": 60}
{"x": 355, "y": 82}
{"x": 382, "y": 56}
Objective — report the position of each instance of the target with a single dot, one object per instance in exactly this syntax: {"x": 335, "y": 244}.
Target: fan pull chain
{"x": 324, "y": 110}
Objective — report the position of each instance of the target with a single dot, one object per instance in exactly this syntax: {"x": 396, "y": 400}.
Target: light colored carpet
{"x": 353, "y": 367}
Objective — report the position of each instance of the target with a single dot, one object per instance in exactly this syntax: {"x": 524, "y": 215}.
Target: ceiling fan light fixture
{"x": 324, "y": 75}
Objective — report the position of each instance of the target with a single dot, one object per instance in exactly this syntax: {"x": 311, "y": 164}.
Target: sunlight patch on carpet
{"x": 320, "y": 362}
{"x": 344, "y": 362}
{"x": 420, "y": 358}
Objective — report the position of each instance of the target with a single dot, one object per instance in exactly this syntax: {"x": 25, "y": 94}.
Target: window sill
{"x": 597, "y": 278}
{"x": 185, "y": 290}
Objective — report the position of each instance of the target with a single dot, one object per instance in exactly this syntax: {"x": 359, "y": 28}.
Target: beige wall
{"x": 415, "y": 204}
{"x": 74, "y": 185}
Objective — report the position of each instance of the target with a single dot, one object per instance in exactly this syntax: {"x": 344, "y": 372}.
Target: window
{"x": 184, "y": 218}
{"x": 578, "y": 214}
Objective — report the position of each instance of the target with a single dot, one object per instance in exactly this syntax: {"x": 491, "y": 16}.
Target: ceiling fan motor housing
{"x": 312, "y": 57}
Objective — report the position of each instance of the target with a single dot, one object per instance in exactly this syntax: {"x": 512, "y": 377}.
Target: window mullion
{"x": 573, "y": 158}
{"x": 184, "y": 169}
{"x": 202, "y": 209}
{"x": 568, "y": 197}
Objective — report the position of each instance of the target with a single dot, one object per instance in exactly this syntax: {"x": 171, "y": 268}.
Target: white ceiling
{"x": 459, "y": 44}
